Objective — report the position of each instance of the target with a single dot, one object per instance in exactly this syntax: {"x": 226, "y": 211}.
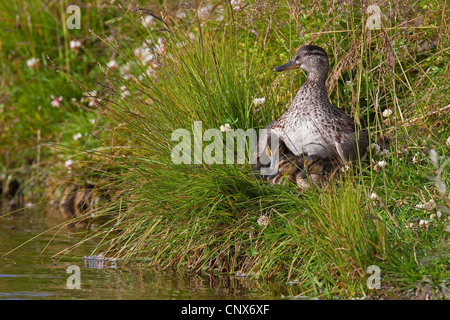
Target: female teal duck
{"x": 312, "y": 133}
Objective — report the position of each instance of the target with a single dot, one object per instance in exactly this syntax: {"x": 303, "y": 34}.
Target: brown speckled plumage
{"x": 312, "y": 130}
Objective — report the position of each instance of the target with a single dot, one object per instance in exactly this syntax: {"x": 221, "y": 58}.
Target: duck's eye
{"x": 308, "y": 53}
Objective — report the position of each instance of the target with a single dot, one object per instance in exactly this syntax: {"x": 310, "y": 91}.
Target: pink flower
{"x": 56, "y": 102}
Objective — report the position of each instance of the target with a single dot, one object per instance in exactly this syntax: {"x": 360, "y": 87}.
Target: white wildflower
{"x": 432, "y": 216}
{"x": 125, "y": 92}
{"x": 69, "y": 165}
{"x": 448, "y": 141}
{"x": 144, "y": 54}
{"x": 203, "y": 12}
{"x": 148, "y": 21}
{"x": 92, "y": 98}
{"x": 75, "y": 45}
{"x": 147, "y": 43}
{"x": 237, "y": 4}
{"x": 263, "y": 221}
{"x": 181, "y": 14}
{"x": 381, "y": 164}
{"x": 226, "y": 127}
{"x": 33, "y": 62}
{"x": 409, "y": 225}
{"x": 148, "y": 72}
{"x": 430, "y": 205}
{"x": 161, "y": 45}
{"x": 387, "y": 113}
{"x": 259, "y": 101}
{"x": 77, "y": 136}
{"x": 386, "y": 153}
{"x": 373, "y": 196}
{"x": 112, "y": 64}
{"x": 125, "y": 71}
{"x": 375, "y": 147}
{"x": 424, "y": 224}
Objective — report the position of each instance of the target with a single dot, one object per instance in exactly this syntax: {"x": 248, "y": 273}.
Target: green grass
{"x": 205, "y": 217}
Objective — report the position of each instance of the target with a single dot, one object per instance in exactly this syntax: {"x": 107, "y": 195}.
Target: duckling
{"x": 313, "y": 174}
{"x": 281, "y": 164}
{"x": 316, "y": 165}
{"x": 288, "y": 164}
{"x": 313, "y": 181}
{"x": 312, "y": 126}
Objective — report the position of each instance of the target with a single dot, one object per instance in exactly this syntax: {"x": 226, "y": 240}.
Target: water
{"x": 30, "y": 273}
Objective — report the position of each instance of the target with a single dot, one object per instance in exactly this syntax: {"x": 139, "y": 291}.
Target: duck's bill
{"x": 290, "y": 65}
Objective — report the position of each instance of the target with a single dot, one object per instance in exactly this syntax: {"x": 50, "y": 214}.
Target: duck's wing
{"x": 353, "y": 140}
{"x": 344, "y": 137}
{"x": 355, "y": 146}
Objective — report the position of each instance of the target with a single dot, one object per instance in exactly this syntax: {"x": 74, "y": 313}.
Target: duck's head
{"x": 312, "y": 59}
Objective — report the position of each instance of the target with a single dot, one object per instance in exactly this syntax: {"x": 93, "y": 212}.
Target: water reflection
{"x": 30, "y": 273}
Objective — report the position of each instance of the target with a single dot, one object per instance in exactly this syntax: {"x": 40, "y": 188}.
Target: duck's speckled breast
{"x": 302, "y": 126}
